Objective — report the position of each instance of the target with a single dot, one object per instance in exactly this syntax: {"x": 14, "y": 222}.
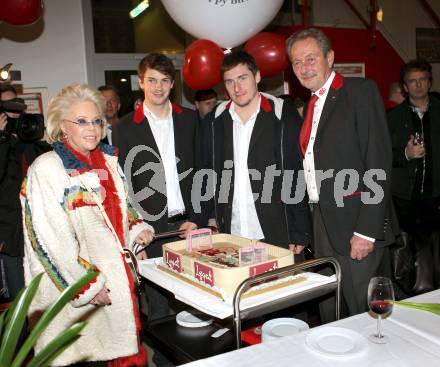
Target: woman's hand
{"x": 102, "y": 298}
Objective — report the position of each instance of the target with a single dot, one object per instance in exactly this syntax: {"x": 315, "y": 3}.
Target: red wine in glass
{"x": 380, "y": 297}
{"x": 381, "y": 307}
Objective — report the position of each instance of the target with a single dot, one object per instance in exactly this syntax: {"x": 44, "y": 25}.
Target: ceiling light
{"x": 379, "y": 14}
{"x": 139, "y": 8}
{"x": 5, "y": 74}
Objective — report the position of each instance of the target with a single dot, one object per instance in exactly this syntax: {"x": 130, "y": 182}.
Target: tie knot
{"x": 312, "y": 100}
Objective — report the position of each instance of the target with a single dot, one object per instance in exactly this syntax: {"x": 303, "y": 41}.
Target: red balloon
{"x": 269, "y": 51}
{"x": 21, "y": 12}
{"x": 201, "y": 67}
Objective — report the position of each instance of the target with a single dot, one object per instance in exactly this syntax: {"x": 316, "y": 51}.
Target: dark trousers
{"x": 11, "y": 275}
{"x": 355, "y": 274}
{"x": 157, "y": 301}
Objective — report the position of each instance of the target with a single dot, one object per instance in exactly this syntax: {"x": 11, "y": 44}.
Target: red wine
{"x": 380, "y": 307}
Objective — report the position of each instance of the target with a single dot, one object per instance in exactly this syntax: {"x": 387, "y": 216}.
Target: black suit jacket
{"x": 273, "y": 142}
{"x": 352, "y": 137}
{"x": 401, "y": 127}
{"x": 135, "y": 140}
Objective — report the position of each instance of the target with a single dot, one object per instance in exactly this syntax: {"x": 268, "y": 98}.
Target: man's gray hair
{"x": 323, "y": 41}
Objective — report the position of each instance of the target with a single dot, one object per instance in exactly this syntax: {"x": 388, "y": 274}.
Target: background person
{"x": 395, "y": 96}
{"x": 113, "y": 105}
{"x": 344, "y": 128}
{"x": 205, "y": 101}
{"x": 16, "y": 154}
{"x": 416, "y": 172}
{"x": 66, "y": 235}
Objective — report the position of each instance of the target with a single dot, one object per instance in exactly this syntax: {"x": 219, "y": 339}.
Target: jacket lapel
{"x": 257, "y": 131}
{"x": 330, "y": 102}
{"x": 144, "y": 135}
{"x": 329, "y": 106}
{"x": 228, "y": 142}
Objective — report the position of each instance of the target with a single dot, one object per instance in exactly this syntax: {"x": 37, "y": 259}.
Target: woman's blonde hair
{"x": 61, "y": 103}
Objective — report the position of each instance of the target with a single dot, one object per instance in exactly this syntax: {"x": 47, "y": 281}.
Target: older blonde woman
{"x": 66, "y": 233}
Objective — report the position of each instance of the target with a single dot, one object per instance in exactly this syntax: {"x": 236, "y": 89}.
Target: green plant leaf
{"x": 57, "y": 345}
{"x": 13, "y": 306}
{"x": 60, "y": 351}
{"x": 15, "y": 321}
{"x": 50, "y": 313}
{"x": 430, "y": 307}
{"x": 2, "y": 321}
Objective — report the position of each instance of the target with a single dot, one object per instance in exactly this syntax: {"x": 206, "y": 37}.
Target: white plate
{"x": 278, "y": 328}
{"x": 336, "y": 342}
{"x": 193, "y": 319}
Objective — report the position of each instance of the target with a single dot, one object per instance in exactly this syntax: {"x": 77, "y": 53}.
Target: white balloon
{"x": 228, "y": 23}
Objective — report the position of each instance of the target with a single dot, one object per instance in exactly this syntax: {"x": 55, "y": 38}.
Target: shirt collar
{"x": 235, "y": 116}
{"x": 152, "y": 117}
{"x": 322, "y": 92}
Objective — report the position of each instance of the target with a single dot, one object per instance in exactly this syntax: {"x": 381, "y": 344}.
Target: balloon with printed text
{"x": 201, "y": 66}
{"x": 228, "y": 23}
{"x": 269, "y": 51}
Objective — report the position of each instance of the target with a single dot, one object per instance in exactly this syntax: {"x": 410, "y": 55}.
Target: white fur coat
{"x": 65, "y": 236}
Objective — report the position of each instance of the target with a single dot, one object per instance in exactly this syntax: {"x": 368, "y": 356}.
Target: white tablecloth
{"x": 214, "y": 306}
{"x": 414, "y": 341}
{"x": 425, "y": 324}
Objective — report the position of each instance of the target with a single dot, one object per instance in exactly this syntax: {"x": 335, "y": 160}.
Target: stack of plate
{"x": 277, "y": 328}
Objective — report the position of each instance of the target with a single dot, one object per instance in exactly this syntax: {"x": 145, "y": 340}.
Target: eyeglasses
{"x": 83, "y": 122}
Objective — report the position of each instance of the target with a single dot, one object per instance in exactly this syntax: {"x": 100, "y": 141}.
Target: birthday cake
{"x": 224, "y": 263}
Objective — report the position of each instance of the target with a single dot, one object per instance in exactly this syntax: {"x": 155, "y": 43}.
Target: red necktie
{"x": 304, "y": 135}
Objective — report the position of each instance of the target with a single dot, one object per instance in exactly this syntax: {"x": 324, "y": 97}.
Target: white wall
{"x": 50, "y": 53}
{"x": 401, "y": 18}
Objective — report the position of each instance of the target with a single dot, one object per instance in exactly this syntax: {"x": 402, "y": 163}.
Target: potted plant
{"x": 12, "y": 321}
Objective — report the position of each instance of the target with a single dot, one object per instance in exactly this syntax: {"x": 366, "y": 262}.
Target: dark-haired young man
{"x": 252, "y": 139}
{"x": 157, "y": 144}
{"x": 168, "y": 131}
{"x": 415, "y": 132}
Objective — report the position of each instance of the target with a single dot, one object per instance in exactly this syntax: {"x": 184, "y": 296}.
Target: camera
{"x": 28, "y": 127}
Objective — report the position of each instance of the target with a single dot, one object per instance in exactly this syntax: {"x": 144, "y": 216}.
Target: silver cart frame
{"x": 286, "y": 301}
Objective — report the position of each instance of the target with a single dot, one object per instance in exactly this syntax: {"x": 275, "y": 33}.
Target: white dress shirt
{"x": 313, "y": 185}
{"x": 163, "y": 133}
{"x": 244, "y": 219}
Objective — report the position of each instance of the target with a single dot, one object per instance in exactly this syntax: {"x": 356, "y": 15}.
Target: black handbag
{"x": 415, "y": 262}
{"x": 402, "y": 263}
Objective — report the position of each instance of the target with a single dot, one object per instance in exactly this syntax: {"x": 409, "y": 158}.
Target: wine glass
{"x": 380, "y": 301}
{"x": 419, "y": 138}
